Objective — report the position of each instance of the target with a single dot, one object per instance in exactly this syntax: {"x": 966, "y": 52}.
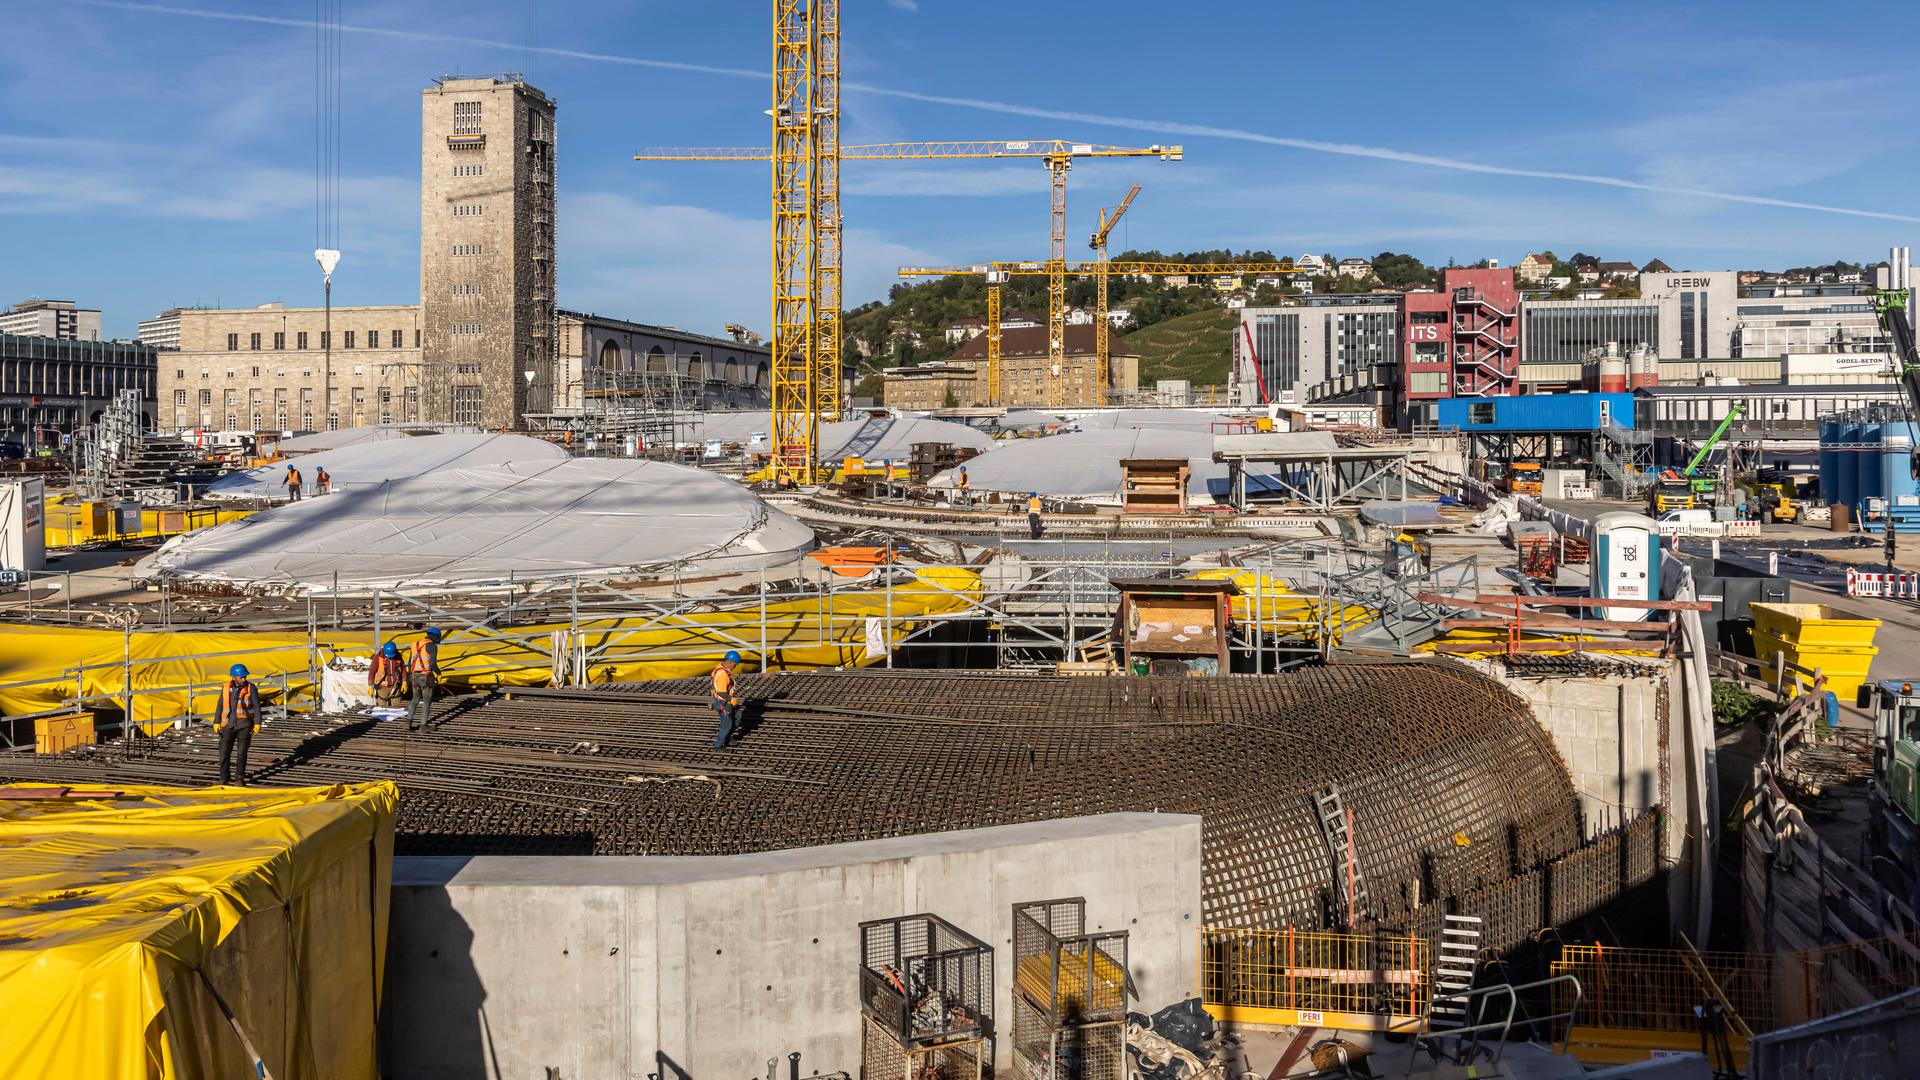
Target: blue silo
{"x": 1846, "y": 469}
{"x": 1866, "y": 468}
{"x": 1897, "y": 484}
{"x": 1829, "y": 460}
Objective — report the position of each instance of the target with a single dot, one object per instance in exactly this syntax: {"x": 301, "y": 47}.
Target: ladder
{"x": 1349, "y": 884}
{"x": 1453, "y": 971}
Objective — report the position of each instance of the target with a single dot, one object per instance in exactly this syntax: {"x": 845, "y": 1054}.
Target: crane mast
{"x": 1102, "y": 362}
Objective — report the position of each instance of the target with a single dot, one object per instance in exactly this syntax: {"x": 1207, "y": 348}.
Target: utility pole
{"x": 328, "y": 259}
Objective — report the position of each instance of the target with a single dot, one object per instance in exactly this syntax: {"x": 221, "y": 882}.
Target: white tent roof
{"x": 467, "y": 526}
{"x": 376, "y": 461}
{"x": 1086, "y": 464}
{"x": 1171, "y": 419}
{"x": 353, "y": 436}
{"x": 888, "y": 437}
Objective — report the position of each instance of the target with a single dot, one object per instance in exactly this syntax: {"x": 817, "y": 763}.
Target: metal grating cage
{"x": 883, "y": 1058}
{"x": 1046, "y": 1051}
{"x": 1070, "y": 976}
{"x": 924, "y": 981}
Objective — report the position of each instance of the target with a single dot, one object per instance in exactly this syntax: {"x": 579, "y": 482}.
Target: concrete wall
{"x": 705, "y": 967}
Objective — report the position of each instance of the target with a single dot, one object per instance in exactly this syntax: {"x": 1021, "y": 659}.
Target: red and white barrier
{"x": 1892, "y": 585}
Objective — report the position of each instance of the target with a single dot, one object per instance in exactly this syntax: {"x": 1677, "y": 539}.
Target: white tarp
{"x": 373, "y": 462}
{"x": 1086, "y": 464}
{"x": 455, "y": 527}
{"x": 872, "y": 439}
{"x": 1169, "y": 419}
{"x": 354, "y": 436}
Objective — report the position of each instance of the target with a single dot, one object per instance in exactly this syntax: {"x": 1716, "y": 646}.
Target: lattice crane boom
{"x": 1102, "y": 363}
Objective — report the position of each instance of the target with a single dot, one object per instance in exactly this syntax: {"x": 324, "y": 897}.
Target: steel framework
{"x": 1102, "y": 372}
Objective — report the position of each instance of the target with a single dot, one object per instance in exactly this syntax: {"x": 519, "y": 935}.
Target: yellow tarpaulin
{"x": 131, "y": 927}
{"x": 169, "y": 666}
{"x": 1284, "y": 613}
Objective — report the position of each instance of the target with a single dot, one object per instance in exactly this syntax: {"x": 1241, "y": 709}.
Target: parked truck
{"x": 1893, "y": 823}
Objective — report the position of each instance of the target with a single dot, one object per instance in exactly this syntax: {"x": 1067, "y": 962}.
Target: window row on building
{"x": 349, "y": 339}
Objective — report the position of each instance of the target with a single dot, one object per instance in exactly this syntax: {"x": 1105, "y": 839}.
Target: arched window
{"x": 610, "y": 356}
{"x": 760, "y": 373}
{"x": 657, "y": 360}
{"x": 733, "y": 371}
{"x": 696, "y": 368}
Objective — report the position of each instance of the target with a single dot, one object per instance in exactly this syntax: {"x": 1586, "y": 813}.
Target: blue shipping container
{"x": 1537, "y": 412}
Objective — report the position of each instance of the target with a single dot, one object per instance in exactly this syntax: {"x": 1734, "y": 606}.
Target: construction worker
{"x": 387, "y": 676}
{"x": 964, "y": 486}
{"x": 726, "y": 699}
{"x": 322, "y": 480}
{"x": 293, "y": 483}
{"x": 1033, "y": 514}
{"x": 236, "y": 719}
{"x": 423, "y": 672}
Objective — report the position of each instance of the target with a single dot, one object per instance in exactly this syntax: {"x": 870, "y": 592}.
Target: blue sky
{"x": 151, "y": 156}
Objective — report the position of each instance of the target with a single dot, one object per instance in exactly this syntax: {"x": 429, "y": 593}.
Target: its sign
{"x": 1423, "y": 332}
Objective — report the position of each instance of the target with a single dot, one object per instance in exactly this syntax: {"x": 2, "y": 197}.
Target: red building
{"x": 1462, "y": 341}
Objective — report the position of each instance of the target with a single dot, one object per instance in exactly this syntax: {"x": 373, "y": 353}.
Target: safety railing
{"x": 1490, "y": 1036}
{"x": 1315, "y": 978}
{"x": 1660, "y": 989}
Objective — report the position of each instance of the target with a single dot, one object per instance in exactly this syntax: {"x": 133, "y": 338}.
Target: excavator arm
{"x": 1891, "y": 305}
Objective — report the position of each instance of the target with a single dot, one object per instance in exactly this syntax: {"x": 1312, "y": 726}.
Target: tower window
{"x": 466, "y": 118}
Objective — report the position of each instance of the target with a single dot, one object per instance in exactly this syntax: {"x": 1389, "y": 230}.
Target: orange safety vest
{"x": 964, "y": 482}
{"x": 425, "y": 657}
{"x": 231, "y": 709}
{"x": 293, "y": 477}
{"x": 723, "y": 684}
{"x": 1033, "y": 506}
{"x": 383, "y": 672}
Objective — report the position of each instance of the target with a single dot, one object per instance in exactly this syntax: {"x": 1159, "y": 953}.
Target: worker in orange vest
{"x": 387, "y": 676}
{"x": 293, "y": 483}
{"x": 322, "y": 480}
{"x": 726, "y": 699}
{"x": 423, "y": 672}
{"x": 964, "y": 486}
{"x": 236, "y": 719}
{"x": 1034, "y": 507}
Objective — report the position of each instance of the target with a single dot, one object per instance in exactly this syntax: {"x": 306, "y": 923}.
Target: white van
{"x": 1689, "y": 523}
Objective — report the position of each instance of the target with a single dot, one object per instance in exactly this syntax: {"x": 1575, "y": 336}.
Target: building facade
{"x": 1024, "y": 364}
{"x": 930, "y": 386}
{"x": 51, "y": 386}
{"x": 487, "y": 304}
{"x": 1278, "y": 353}
{"x": 695, "y": 371}
{"x": 276, "y": 368}
{"x": 163, "y": 330}
{"x": 62, "y": 319}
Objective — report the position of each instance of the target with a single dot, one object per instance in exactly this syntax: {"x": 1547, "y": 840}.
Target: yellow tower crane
{"x": 806, "y": 306}
{"x": 1102, "y": 374}
{"x": 999, "y": 272}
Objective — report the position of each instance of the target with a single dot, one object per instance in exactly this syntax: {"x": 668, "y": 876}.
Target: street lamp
{"x": 328, "y": 259}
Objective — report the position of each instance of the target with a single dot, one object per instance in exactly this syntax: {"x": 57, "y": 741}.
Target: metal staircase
{"x": 1336, "y": 822}
{"x": 1625, "y": 457}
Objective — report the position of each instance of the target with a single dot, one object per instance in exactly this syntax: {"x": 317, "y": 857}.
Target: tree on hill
{"x": 1583, "y": 261}
{"x": 1398, "y": 270}
{"x": 1655, "y": 266}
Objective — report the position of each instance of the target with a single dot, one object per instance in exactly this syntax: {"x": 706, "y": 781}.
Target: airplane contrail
{"x": 1167, "y": 127}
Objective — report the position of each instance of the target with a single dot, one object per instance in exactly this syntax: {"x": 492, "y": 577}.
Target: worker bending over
{"x": 387, "y": 676}
{"x": 236, "y": 719}
{"x": 726, "y": 700}
{"x": 322, "y": 480}
{"x": 423, "y": 671}
{"x": 293, "y": 483}
{"x": 1033, "y": 514}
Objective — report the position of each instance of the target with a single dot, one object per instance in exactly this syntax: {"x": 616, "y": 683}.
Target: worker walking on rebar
{"x": 387, "y": 676}
{"x": 725, "y": 700}
{"x": 236, "y": 719}
{"x": 293, "y": 483}
{"x": 322, "y": 480}
{"x": 1033, "y": 514}
{"x": 423, "y": 672}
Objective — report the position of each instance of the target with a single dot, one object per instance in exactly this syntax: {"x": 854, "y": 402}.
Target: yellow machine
{"x": 1670, "y": 494}
{"x": 1523, "y": 478}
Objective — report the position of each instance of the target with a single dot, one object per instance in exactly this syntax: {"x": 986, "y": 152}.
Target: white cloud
{"x": 903, "y": 5}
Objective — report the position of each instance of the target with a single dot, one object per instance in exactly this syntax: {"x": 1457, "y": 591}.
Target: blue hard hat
{"x": 1033, "y": 494}
{"x": 733, "y": 656}
{"x": 389, "y": 650}
{"x": 238, "y": 671}
{"x": 433, "y": 633}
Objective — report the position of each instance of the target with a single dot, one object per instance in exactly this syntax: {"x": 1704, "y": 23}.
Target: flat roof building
{"x": 61, "y": 319}
{"x": 51, "y": 386}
